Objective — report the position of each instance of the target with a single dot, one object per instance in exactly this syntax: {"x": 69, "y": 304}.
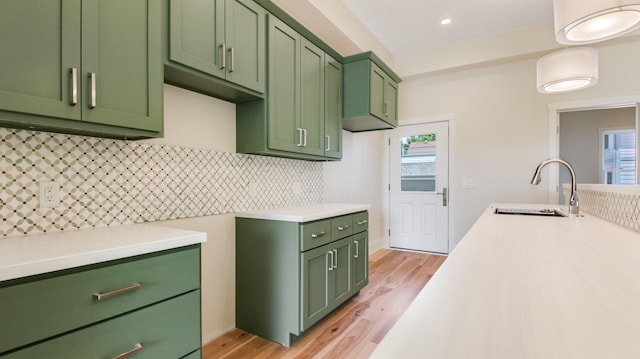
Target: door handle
{"x": 330, "y": 263}
{"x": 335, "y": 253}
{"x": 445, "y": 195}
{"x": 328, "y": 146}
{"x": 300, "y": 141}
{"x": 74, "y": 86}
{"x": 92, "y": 90}
{"x": 232, "y": 68}
{"x": 223, "y": 55}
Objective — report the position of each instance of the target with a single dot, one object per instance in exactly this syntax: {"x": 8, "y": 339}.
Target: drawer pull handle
{"x": 332, "y": 258}
{"x": 136, "y": 348}
{"x": 316, "y": 235}
{"x": 335, "y": 253}
{"x": 361, "y": 222}
{"x": 357, "y": 249}
{"x": 101, "y": 296}
{"x": 74, "y": 86}
{"x": 342, "y": 228}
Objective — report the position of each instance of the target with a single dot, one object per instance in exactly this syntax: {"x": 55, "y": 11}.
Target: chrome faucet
{"x": 574, "y": 208}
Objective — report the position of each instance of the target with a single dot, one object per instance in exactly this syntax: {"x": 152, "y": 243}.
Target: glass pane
{"x": 619, "y": 157}
{"x": 418, "y": 163}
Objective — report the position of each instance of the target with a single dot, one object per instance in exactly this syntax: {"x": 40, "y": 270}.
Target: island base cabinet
{"x": 290, "y": 275}
{"x": 170, "y": 329}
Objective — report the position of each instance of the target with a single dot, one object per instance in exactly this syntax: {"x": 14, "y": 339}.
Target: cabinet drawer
{"x": 314, "y": 234}
{"x": 170, "y": 329}
{"x": 53, "y": 305}
{"x": 341, "y": 227}
{"x": 360, "y": 222}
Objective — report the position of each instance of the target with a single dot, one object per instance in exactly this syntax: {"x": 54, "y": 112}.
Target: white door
{"x": 419, "y": 182}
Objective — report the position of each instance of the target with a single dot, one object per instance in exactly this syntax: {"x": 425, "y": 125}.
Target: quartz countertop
{"x": 528, "y": 287}
{"x": 305, "y": 213}
{"x": 23, "y": 256}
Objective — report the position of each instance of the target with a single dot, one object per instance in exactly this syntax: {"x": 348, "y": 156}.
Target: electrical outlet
{"x": 49, "y": 194}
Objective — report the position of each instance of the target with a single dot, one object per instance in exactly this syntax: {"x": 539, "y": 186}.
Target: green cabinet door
{"x": 245, "y": 44}
{"x": 341, "y": 281}
{"x": 378, "y": 90}
{"x": 333, "y": 108}
{"x": 284, "y": 87}
{"x": 197, "y": 34}
{"x": 40, "y": 42}
{"x": 391, "y": 101}
{"x": 360, "y": 263}
{"x": 121, "y": 63}
{"x": 316, "y": 281}
{"x": 312, "y": 98}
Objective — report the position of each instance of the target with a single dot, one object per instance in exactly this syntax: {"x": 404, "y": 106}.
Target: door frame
{"x": 386, "y": 197}
{"x": 582, "y": 105}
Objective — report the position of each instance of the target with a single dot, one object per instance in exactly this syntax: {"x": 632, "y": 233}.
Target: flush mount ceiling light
{"x": 567, "y": 70}
{"x": 446, "y": 21}
{"x": 582, "y": 22}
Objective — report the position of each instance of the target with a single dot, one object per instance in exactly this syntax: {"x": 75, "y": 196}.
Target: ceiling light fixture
{"x": 446, "y": 21}
{"x": 567, "y": 70}
{"x": 582, "y": 22}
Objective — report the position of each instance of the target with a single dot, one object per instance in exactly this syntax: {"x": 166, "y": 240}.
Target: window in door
{"x": 418, "y": 163}
{"x": 618, "y": 157}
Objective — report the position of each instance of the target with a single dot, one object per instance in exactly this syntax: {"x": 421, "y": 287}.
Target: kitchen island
{"x": 522, "y": 287}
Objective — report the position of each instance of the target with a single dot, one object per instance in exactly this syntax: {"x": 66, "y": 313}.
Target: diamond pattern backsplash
{"x": 616, "y": 204}
{"x": 110, "y": 182}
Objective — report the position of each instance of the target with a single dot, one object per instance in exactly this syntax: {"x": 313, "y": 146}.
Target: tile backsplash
{"x": 616, "y": 204}
{"x": 107, "y": 182}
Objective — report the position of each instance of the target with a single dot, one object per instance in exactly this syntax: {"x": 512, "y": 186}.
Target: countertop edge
{"x": 305, "y": 213}
{"x": 98, "y": 252}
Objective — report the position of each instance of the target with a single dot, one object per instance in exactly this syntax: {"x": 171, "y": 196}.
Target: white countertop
{"x": 519, "y": 287}
{"x": 42, "y": 253}
{"x": 305, "y": 213}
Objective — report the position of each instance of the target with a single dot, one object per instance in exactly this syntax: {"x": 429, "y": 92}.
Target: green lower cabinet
{"x": 360, "y": 262}
{"x": 170, "y": 329}
{"x": 105, "y": 309}
{"x": 82, "y": 66}
{"x": 290, "y": 275}
{"x": 326, "y": 280}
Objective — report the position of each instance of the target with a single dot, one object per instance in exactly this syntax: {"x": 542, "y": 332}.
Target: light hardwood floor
{"x": 354, "y": 329}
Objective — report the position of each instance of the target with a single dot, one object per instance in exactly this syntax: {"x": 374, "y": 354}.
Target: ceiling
{"x": 408, "y": 26}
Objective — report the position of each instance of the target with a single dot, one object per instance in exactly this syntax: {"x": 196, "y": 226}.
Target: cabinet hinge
{"x": 389, "y": 187}
{"x": 389, "y": 232}
{"x": 389, "y": 141}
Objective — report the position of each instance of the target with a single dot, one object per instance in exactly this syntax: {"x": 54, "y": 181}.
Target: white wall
{"x": 359, "y": 178}
{"x": 501, "y": 124}
{"x": 198, "y": 121}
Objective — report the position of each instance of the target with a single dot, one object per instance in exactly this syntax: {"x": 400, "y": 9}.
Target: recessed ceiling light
{"x": 446, "y": 21}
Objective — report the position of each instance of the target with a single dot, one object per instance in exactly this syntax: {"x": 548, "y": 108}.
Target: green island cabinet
{"x": 90, "y": 67}
{"x": 147, "y": 305}
{"x": 216, "y": 47}
{"x": 290, "y": 275}
{"x": 370, "y": 94}
{"x": 301, "y": 116}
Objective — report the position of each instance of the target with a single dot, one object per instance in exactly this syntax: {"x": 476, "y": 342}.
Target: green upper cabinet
{"x": 283, "y": 100}
{"x": 370, "y": 94}
{"x": 302, "y": 105}
{"x": 221, "y": 38}
{"x": 333, "y": 108}
{"x": 40, "y": 44}
{"x": 82, "y": 66}
{"x": 312, "y": 99}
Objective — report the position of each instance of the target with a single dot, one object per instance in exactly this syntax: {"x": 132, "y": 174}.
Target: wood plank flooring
{"x": 354, "y": 329}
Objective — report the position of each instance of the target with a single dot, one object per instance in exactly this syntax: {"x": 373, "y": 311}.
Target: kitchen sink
{"x": 545, "y": 212}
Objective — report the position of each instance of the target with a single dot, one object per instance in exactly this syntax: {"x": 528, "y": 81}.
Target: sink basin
{"x": 546, "y": 212}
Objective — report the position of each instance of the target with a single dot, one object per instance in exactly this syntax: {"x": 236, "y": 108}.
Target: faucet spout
{"x": 574, "y": 207}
